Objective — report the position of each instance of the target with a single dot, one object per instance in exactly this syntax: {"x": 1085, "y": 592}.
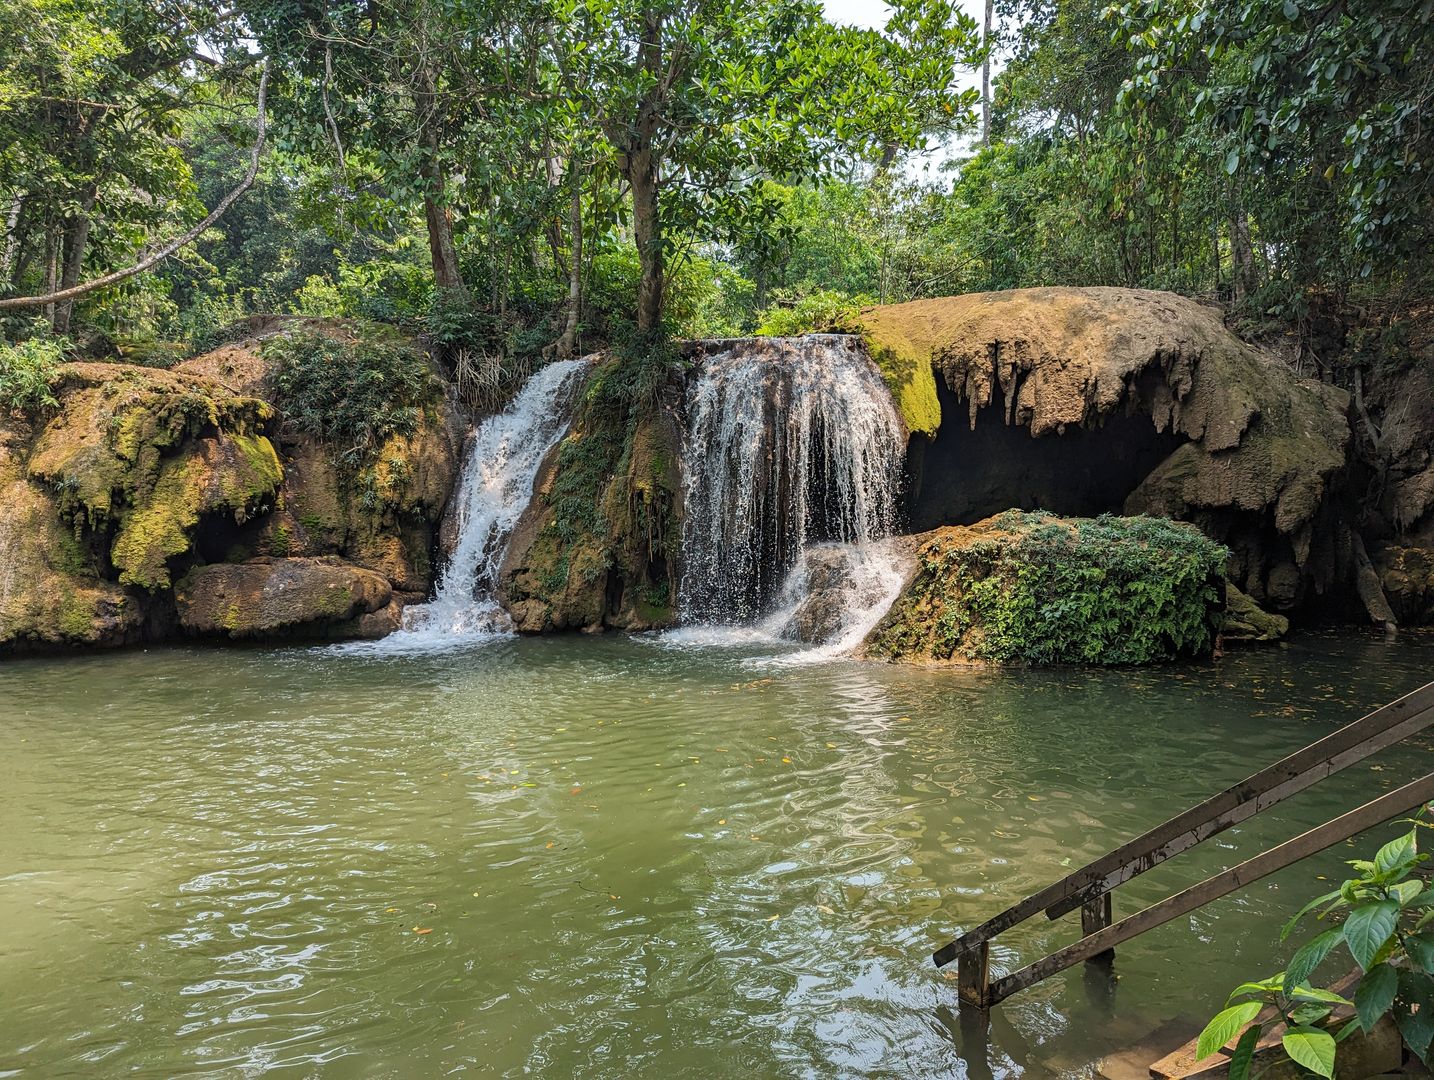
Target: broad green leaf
{"x": 1416, "y": 1025}
{"x": 1310, "y": 993}
{"x": 1375, "y": 994}
{"x": 1232, "y": 162}
{"x": 1367, "y": 928}
{"x": 1244, "y": 1052}
{"x": 1312, "y": 1048}
{"x": 1223, "y": 1027}
{"x": 1310, "y": 956}
{"x": 1394, "y": 853}
{"x": 1421, "y": 950}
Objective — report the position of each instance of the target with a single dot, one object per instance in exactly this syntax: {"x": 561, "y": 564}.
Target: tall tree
{"x": 700, "y": 99}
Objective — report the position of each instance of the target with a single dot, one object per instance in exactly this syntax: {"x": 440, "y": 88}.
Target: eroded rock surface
{"x": 141, "y": 475}
{"x": 266, "y": 598}
{"x": 1259, "y": 454}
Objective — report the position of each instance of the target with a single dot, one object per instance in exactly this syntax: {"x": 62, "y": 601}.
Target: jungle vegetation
{"x": 539, "y": 177}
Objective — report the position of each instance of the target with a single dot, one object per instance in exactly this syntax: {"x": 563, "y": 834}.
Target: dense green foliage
{"x": 1036, "y": 589}
{"x": 1387, "y": 929}
{"x": 353, "y": 394}
{"x": 26, "y": 372}
{"x": 529, "y": 179}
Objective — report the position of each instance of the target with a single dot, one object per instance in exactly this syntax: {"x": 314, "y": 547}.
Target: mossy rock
{"x": 142, "y": 455}
{"x": 598, "y": 546}
{"x": 267, "y": 598}
{"x": 51, "y": 594}
{"x": 1031, "y": 588}
{"x": 1246, "y": 622}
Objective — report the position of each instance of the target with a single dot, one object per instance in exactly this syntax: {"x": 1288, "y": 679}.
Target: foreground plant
{"x": 1388, "y": 912}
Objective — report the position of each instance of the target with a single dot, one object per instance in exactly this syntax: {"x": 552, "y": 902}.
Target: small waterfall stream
{"x": 497, "y": 485}
{"x": 791, "y": 443}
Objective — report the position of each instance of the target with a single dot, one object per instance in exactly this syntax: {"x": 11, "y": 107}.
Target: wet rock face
{"x": 1202, "y": 427}
{"x": 1407, "y": 575}
{"x": 267, "y": 598}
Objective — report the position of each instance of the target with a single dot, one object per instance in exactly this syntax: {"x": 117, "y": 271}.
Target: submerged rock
{"x": 1023, "y": 588}
{"x": 266, "y": 597}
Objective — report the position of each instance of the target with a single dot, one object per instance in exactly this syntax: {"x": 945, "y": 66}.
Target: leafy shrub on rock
{"x": 27, "y": 370}
{"x": 1037, "y": 589}
{"x": 354, "y": 394}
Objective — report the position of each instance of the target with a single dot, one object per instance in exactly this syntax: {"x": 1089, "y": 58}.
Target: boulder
{"x": 267, "y": 598}
{"x": 139, "y": 475}
{"x": 51, "y": 593}
{"x": 1216, "y": 432}
{"x": 1031, "y": 588}
{"x": 1245, "y": 622}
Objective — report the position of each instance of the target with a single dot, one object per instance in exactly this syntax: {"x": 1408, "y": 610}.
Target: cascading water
{"x": 497, "y": 485}
{"x": 791, "y": 442}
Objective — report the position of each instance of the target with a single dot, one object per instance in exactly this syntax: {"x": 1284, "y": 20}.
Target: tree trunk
{"x": 568, "y": 343}
{"x": 1242, "y": 255}
{"x": 440, "y": 230}
{"x": 10, "y": 247}
{"x": 986, "y": 79}
{"x": 77, "y": 236}
{"x": 436, "y": 212}
{"x": 647, "y": 231}
{"x": 52, "y": 257}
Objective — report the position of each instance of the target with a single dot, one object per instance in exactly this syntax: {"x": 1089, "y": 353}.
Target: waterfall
{"x": 791, "y": 443}
{"x": 496, "y": 488}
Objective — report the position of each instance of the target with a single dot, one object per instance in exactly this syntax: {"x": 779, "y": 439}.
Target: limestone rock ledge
{"x": 140, "y": 476}
{"x": 1261, "y": 453}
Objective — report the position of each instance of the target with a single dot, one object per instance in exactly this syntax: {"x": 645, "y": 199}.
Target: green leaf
{"x": 1367, "y": 928}
{"x": 1310, "y": 956}
{"x": 1375, "y": 994}
{"x": 1417, "y": 1024}
{"x": 1312, "y": 1048}
{"x": 1394, "y": 853}
{"x": 1232, "y": 166}
{"x": 1244, "y": 1052}
{"x": 1420, "y": 948}
{"x": 1223, "y": 1027}
{"x": 1316, "y": 902}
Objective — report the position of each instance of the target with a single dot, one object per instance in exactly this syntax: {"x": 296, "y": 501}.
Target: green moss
{"x": 280, "y": 542}
{"x": 909, "y": 376}
{"x": 158, "y": 529}
{"x": 1031, "y": 588}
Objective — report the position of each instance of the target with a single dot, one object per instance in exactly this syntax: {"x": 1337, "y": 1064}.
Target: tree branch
{"x": 164, "y": 252}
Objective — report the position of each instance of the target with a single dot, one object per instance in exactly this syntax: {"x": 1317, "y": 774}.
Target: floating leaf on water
{"x": 423, "y": 929}
{"x": 722, "y": 821}
{"x": 786, "y": 761}
{"x": 825, "y": 910}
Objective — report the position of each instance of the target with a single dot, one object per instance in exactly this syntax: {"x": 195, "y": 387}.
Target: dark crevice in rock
{"x": 965, "y": 474}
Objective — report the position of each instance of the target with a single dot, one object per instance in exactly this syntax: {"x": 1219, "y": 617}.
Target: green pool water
{"x": 621, "y": 858}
